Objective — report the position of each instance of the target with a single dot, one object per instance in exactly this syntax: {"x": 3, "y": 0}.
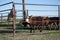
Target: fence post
{"x": 1, "y": 18}
{"x": 14, "y": 20}
{"x": 59, "y": 15}
{"x": 27, "y": 14}
{"x": 24, "y": 11}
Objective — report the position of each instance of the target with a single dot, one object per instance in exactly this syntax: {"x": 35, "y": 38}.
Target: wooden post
{"x": 1, "y": 18}
{"x": 59, "y": 15}
{"x": 27, "y": 14}
{"x": 14, "y": 20}
{"x": 24, "y": 11}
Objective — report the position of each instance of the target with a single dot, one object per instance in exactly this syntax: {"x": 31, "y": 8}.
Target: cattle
{"x": 35, "y": 23}
{"x": 38, "y": 22}
{"x": 55, "y": 21}
{"x": 44, "y": 21}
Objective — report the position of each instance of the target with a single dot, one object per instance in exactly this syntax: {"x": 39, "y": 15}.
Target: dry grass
{"x": 45, "y": 35}
{"x": 25, "y": 35}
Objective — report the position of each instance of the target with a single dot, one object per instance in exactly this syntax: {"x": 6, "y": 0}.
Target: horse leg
{"x": 40, "y": 28}
{"x": 31, "y": 29}
{"x": 34, "y": 29}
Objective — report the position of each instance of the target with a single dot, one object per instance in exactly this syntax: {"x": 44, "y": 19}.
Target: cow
{"x": 35, "y": 23}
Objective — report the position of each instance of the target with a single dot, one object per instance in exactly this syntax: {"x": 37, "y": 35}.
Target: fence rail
{"x": 37, "y": 4}
{"x": 6, "y": 4}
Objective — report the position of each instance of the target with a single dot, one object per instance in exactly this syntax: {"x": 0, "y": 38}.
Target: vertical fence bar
{"x": 14, "y": 20}
{"x": 24, "y": 11}
{"x": 27, "y": 14}
{"x": 1, "y": 18}
{"x": 59, "y": 15}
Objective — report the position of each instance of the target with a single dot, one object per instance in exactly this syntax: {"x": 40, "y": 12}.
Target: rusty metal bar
{"x": 14, "y": 20}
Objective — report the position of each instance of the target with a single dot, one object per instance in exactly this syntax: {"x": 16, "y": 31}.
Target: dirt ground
{"x": 25, "y": 35}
